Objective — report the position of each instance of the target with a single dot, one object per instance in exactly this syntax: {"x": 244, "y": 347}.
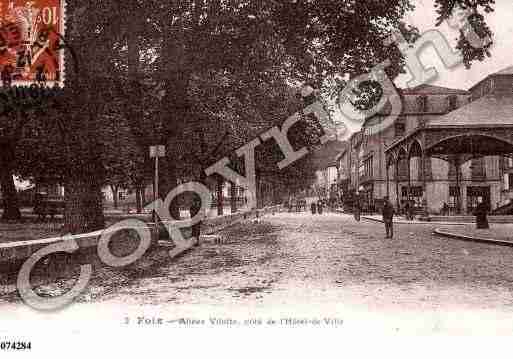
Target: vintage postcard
{"x": 304, "y": 177}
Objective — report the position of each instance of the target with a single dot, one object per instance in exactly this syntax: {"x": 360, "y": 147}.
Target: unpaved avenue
{"x": 290, "y": 263}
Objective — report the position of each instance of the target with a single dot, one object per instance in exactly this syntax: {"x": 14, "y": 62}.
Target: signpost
{"x": 156, "y": 152}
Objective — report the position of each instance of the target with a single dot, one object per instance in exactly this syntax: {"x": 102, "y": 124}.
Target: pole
{"x": 409, "y": 179}
{"x": 458, "y": 199}
{"x": 388, "y": 178}
{"x": 397, "y": 198}
{"x": 424, "y": 162}
{"x": 156, "y": 189}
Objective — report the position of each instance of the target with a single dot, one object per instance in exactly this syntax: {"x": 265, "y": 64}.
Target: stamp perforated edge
{"x": 62, "y": 57}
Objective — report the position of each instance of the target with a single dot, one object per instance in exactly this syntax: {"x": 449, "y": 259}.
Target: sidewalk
{"x": 22, "y": 247}
{"x": 402, "y": 220}
{"x": 500, "y": 234}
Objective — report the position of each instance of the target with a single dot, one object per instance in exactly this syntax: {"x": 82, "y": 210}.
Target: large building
{"x": 446, "y": 146}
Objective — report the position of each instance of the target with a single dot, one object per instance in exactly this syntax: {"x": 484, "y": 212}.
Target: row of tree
{"x": 199, "y": 76}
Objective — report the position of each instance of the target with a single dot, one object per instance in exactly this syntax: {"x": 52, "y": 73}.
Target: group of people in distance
{"x": 388, "y": 211}
{"x": 296, "y": 205}
{"x": 317, "y": 207}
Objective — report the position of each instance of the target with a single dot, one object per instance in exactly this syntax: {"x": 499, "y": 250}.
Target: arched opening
{"x": 416, "y": 181}
{"x": 402, "y": 165}
{"x": 457, "y": 151}
{"x": 390, "y": 174}
{"x": 401, "y": 178}
{"x": 472, "y": 145}
{"x": 415, "y": 158}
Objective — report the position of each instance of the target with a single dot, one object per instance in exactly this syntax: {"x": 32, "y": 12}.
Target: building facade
{"x": 326, "y": 181}
{"x": 404, "y": 163}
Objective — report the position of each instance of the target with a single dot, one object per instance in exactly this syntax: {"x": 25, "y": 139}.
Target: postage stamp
{"x": 29, "y": 41}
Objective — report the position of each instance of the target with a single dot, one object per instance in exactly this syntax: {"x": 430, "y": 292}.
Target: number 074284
{"x": 14, "y": 345}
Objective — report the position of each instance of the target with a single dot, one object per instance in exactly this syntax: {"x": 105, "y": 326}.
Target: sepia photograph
{"x": 247, "y": 174}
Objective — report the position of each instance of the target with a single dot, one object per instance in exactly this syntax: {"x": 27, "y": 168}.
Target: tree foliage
{"x": 202, "y": 77}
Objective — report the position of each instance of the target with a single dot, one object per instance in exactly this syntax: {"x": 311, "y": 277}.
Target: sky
{"x": 424, "y": 18}
{"x": 501, "y": 23}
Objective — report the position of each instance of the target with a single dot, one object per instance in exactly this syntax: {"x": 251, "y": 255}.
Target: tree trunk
{"x": 196, "y": 206}
{"x": 274, "y": 194}
{"x": 138, "y": 199}
{"x": 233, "y": 197}
{"x": 167, "y": 183}
{"x": 115, "y": 198}
{"x": 175, "y": 105}
{"x": 220, "y": 202}
{"x": 134, "y": 101}
{"x": 9, "y": 194}
{"x": 84, "y": 212}
{"x": 142, "y": 189}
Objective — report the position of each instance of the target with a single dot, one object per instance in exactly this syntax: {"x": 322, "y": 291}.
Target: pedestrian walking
{"x": 320, "y": 206}
{"x": 407, "y": 210}
{"x": 388, "y": 217}
{"x": 445, "y": 209}
{"x": 313, "y": 207}
{"x": 356, "y": 207}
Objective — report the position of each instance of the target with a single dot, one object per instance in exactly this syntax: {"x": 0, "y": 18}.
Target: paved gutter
{"x": 415, "y": 222}
{"x": 463, "y": 237}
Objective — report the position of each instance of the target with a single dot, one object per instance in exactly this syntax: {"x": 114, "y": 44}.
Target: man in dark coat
{"x": 388, "y": 217}
{"x": 480, "y": 212}
{"x": 313, "y": 207}
{"x": 356, "y": 207}
{"x": 445, "y": 209}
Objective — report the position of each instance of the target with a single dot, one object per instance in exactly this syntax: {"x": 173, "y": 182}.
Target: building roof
{"x": 437, "y": 100}
{"x": 486, "y": 111}
{"x": 506, "y": 71}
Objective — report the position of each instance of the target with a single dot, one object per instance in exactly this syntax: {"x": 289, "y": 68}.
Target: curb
{"x": 373, "y": 219}
{"x": 416, "y": 222}
{"x": 463, "y": 237}
{"x": 20, "y": 250}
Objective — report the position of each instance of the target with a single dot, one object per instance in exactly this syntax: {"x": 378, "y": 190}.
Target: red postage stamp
{"x": 29, "y": 41}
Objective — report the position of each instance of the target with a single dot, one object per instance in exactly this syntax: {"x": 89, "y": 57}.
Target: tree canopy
{"x": 202, "y": 77}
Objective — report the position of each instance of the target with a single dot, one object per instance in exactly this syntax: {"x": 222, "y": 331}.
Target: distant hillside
{"x": 325, "y": 155}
